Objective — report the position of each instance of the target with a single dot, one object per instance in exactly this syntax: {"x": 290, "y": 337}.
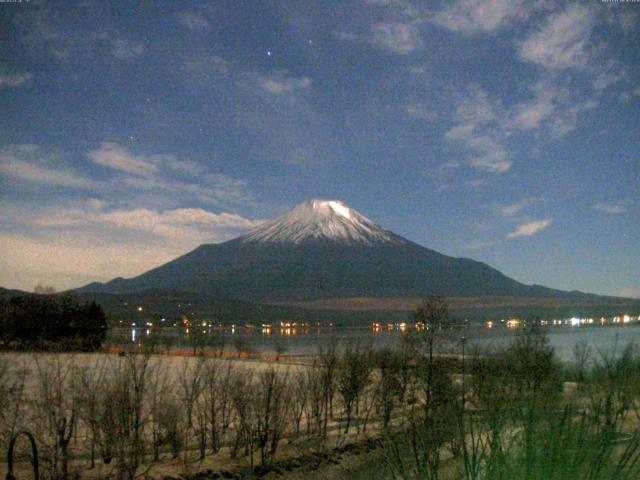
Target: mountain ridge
{"x": 323, "y": 249}
{"x": 319, "y": 219}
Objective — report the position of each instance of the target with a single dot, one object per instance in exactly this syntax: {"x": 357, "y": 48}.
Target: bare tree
{"x": 242, "y": 394}
{"x": 317, "y": 403}
{"x": 170, "y": 422}
{"x": 389, "y": 389}
{"x": 12, "y": 383}
{"x": 353, "y": 377}
{"x": 125, "y": 414}
{"x": 216, "y": 400}
{"x": 91, "y": 381}
{"x": 240, "y": 344}
{"x": 280, "y": 347}
{"x": 41, "y": 289}
{"x": 191, "y": 384}
{"x": 271, "y": 405}
{"x": 299, "y": 397}
{"x": 160, "y": 384}
{"x": 329, "y": 361}
{"x": 57, "y": 404}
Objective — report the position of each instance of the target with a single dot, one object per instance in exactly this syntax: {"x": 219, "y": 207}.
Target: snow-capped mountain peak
{"x": 316, "y": 220}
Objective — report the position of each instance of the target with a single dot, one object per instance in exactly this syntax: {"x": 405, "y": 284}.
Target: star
{"x": 268, "y": 53}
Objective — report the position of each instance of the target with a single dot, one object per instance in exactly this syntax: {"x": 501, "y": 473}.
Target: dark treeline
{"x": 174, "y": 305}
{"x": 51, "y": 322}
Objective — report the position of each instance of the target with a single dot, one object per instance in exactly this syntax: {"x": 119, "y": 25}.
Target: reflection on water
{"x": 604, "y": 335}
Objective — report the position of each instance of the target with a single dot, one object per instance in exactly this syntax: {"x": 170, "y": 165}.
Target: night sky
{"x": 504, "y": 131}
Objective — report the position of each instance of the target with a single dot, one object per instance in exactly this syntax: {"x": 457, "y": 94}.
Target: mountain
{"x": 323, "y": 250}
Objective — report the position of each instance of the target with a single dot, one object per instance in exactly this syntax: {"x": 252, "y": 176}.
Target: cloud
{"x": 147, "y": 178}
{"x": 193, "y": 21}
{"x": 398, "y": 34}
{"x": 473, "y": 16}
{"x": 304, "y": 134}
{"x": 207, "y": 65}
{"x": 172, "y": 223}
{"x": 27, "y": 163}
{"x": 68, "y": 246}
{"x": 119, "y": 158}
{"x": 126, "y": 49}
{"x": 563, "y": 40}
{"x": 555, "y": 107}
{"x": 399, "y": 7}
{"x": 529, "y": 115}
{"x": 169, "y": 174}
{"x": 489, "y": 154}
{"x": 612, "y": 208}
{"x": 421, "y": 111}
{"x": 45, "y": 28}
{"x": 528, "y": 229}
{"x": 477, "y": 132}
{"x": 396, "y": 37}
{"x": 12, "y": 79}
{"x": 567, "y": 121}
{"x": 514, "y": 208}
{"x": 347, "y": 36}
{"x": 278, "y": 83}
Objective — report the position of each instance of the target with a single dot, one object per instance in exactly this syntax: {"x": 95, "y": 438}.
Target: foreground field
{"x": 346, "y": 412}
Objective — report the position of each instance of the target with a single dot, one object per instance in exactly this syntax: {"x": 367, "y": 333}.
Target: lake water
{"x": 602, "y": 339}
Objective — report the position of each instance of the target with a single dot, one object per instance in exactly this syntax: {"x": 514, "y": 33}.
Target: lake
{"x": 303, "y": 341}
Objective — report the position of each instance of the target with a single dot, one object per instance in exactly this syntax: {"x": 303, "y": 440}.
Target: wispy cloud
{"x": 278, "y": 83}
{"x": 563, "y": 40}
{"x": 515, "y": 208}
{"x": 528, "y": 229}
{"x": 396, "y": 37}
{"x": 12, "y": 79}
{"x": 473, "y": 16}
{"x": 206, "y": 67}
{"x": 126, "y": 49}
{"x": 530, "y": 114}
{"x": 159, "y": 172}
{"x": 144, "y": 176}
{"x": 194, "y": 21}
{"x": 421, "y": 111}
{"x": 613, "y": 208}
{"x": 398, "y": 33}
{"x": 477, "y": 131}
{"x": 46, "y": 28}
{"x": 119, "y": 158}
{"x": 29, "y": 163}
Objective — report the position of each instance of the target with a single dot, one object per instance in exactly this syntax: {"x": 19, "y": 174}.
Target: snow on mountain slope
{"x": 316, "y": 220}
